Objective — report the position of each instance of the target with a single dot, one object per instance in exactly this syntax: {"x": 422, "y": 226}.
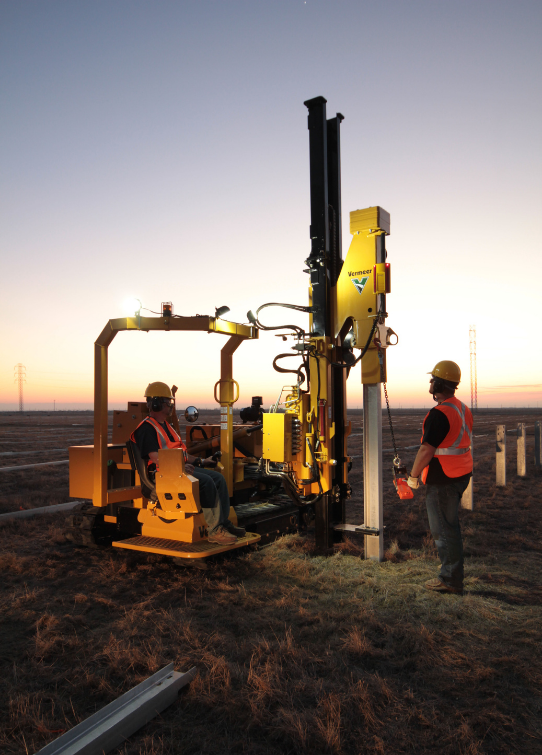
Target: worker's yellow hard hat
{"x": 158, "y": 389}
{"x": 447, "y": 371}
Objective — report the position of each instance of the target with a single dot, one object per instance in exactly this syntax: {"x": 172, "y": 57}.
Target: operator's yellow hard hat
{"x": 447, "y": 371}
{"x": 158, "y": 389}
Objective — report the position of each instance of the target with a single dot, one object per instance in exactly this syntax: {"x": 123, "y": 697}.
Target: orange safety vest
{"x": 454, "y": 452}
{"x": 163, "y": 440}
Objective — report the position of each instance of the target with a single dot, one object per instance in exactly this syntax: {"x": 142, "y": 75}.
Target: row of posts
{"x": 467, "y": 500}
{"x": 521, "y": 448}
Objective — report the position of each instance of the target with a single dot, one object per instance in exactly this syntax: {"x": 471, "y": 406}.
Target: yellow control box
{"x": 277, "y": 437}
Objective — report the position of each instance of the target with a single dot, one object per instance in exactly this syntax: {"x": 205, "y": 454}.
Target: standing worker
{"x": 444, "y": 462}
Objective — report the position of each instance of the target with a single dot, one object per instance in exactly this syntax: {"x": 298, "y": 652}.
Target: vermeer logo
{"x": 359, "y": 283}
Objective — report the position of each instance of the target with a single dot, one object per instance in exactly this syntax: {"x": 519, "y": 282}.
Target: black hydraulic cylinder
{"x": 325, "y": 263}
{"x": 319, "y": 229}
{"x": 334, "y": 196}
{"x": 325, "y": 259}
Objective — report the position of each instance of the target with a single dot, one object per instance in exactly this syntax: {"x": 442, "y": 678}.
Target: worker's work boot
{"x": 234, "y": 530}
{"x": 221, "y": 536}
{"x": 437, "y": 585}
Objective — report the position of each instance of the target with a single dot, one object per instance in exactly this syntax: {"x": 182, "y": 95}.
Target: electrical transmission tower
{"x": 20, "y": 378}
{"x": 473, "y": 376}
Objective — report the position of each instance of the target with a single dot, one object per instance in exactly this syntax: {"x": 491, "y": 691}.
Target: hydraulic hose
{"x": 253, "y": 318}
{"x": 284, "y": 370}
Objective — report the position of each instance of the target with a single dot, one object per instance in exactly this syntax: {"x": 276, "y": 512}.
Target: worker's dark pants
{"x": 443, "y": 503}
{"x": 213, "y": 496}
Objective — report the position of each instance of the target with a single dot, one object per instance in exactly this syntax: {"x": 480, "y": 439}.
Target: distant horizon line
{"x": 236, "y": 410}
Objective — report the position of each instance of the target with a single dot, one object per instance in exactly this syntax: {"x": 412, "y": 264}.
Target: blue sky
{"x": 160, "y": 150}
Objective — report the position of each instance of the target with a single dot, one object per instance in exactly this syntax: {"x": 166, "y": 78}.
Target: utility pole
{"x": 20, "y": 378}
{"x": 473, "y": 376}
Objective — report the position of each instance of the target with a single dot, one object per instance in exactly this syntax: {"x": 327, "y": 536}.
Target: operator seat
{"x": 148, "y": 488}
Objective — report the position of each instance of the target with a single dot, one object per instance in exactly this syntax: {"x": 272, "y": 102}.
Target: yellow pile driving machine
{"x": 286, "y": 469}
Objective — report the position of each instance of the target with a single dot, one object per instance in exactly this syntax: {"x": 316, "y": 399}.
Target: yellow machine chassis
{"x": 225, "y": 394}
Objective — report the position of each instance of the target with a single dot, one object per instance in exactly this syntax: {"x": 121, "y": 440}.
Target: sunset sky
{"x": 160, "y": 150}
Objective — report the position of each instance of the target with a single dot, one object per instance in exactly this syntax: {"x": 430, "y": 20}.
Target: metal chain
{"x": 396, "y": 459}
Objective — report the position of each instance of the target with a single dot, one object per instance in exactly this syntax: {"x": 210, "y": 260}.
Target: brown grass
{"x": 296, "y": 652}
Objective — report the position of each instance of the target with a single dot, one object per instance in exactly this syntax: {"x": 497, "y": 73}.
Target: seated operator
{"x": 155, "y": 433}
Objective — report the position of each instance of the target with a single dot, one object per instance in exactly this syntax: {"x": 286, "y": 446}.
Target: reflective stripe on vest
{"x": 163, "y": 440}
{"x": 453, "y": 450}
{"x": 456, "y": 458}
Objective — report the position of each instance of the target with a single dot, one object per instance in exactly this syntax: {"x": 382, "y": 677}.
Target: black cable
{"x": 298, "y": 307}
{"x": 363, "y": 351}
{"x": 295, "y": 328}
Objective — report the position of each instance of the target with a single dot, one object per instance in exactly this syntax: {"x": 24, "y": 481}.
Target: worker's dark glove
{"x": 209, "y": 463}
{"x": 413, "y": 482}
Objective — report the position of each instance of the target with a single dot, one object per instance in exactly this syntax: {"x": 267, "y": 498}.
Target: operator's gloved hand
{"x": 413, "y": 482}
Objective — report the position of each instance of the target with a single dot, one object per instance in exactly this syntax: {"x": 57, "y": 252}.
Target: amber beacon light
{"x": 382, "y": 278}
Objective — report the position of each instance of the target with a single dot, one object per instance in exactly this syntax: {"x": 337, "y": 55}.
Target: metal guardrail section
{"x": 42, "y": 450}
{"x": 30, "y": 466}
{"x": 112, "y": 725}
{"x": 25, "y": 513}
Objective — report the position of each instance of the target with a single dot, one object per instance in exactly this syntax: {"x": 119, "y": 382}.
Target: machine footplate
{"x": 176, "y": 548}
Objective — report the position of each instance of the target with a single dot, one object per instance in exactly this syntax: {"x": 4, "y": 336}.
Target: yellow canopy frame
{"x": 237, "y": 333}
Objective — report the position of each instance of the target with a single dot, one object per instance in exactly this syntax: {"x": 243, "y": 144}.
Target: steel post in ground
{"x": 372, "y": 469}
{"x": 538, "y": 444}
{"x": 467, "y": 501}
{"x": 500, "y": 458}
{"x": 522, "y": 449}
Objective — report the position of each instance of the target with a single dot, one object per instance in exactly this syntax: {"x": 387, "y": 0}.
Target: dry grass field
{"x": 297, "y": 652}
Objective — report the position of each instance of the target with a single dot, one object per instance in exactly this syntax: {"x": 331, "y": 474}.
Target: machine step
{"x": 357, "y": 529}
{"x": 176, "y": 548}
